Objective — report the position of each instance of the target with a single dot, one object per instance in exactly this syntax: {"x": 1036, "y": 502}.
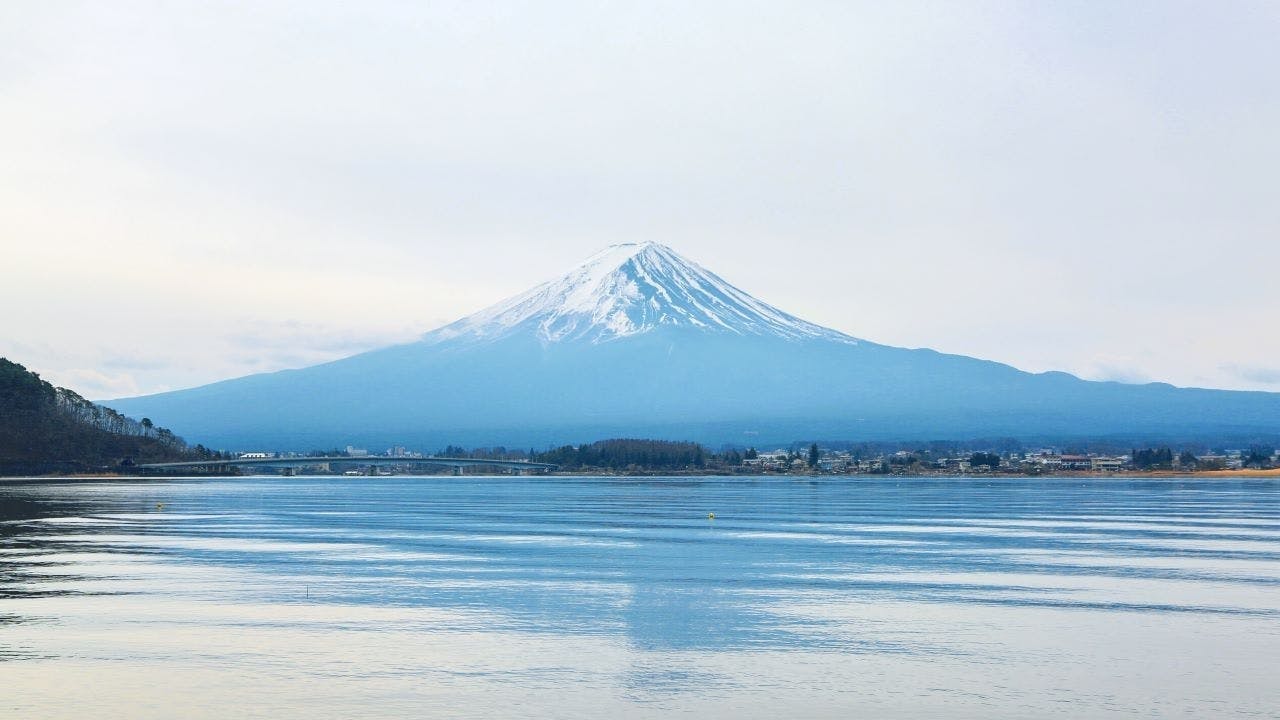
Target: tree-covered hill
{"x": 627, "y": 454}
{"x": 47, "y": 429}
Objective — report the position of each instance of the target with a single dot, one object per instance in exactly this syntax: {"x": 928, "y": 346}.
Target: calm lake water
{"x": 620, "y": 598}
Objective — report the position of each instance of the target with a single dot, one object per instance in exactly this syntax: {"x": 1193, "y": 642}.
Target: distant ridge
{"x": 638, "y": 341}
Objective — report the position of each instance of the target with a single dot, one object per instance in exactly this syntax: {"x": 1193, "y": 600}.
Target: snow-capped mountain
{"x": 627, "y": 290}
{"x": 639, "y": 342}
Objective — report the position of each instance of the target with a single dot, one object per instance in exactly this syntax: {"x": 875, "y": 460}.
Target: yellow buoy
{"x": 159, "y": 506}
{"x": 711, "y": 516}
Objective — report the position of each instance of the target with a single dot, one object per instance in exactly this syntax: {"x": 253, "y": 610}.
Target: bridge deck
{"x": 365, "y": 461}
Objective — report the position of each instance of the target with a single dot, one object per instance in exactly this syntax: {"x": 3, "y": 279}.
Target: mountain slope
{"x": 51, "y": 429}
{"x": 639, "y": 341}
{"x": 629, "y": 290}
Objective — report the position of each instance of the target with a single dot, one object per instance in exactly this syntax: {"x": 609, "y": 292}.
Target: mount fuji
{"x": 638, "y": 341}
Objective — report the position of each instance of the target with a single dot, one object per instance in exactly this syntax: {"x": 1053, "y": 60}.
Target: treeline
{"x": 487, "y": 453}
{"x": 1153, "y": 458}
{"x": 617, "y": 455}
{"x": 46, "y": 429}
{"x": 990, "y": 460}
{"x": 1257, "y": 456}
{"x": 627, "y": 454}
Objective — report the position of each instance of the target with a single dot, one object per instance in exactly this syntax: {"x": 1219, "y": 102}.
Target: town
{"x": 1042, "y": 461}
{"x": 651, "y": 457}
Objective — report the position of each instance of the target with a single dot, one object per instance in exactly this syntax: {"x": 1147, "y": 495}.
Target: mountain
{"x": 630, "y": 290}
{"x": 46, "y": 429}
{"x": 639, "y": 341}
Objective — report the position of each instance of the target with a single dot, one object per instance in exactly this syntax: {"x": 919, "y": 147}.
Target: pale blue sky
{"x": 191, "y": 192}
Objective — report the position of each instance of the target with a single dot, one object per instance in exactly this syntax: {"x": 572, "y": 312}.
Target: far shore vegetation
{"x": 641, "y": 457}
{"x": 1003, "y": 457}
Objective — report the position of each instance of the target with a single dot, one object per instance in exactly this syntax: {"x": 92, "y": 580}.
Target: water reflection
{"x": 591, "y": 594}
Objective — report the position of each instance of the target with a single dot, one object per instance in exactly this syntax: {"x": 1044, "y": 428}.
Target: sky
{"x": 196, "y": 191}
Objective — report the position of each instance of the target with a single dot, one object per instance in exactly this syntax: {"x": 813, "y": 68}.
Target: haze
{"x": 193, "y": 192}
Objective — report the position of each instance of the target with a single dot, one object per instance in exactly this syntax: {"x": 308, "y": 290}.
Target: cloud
{"x": 1116, "y": 369}
{"x": 1253, "y": 374}
{"x": 92, "y": 383}
{"x": 136, "y": 362}
{"x": 310, "y": 338}
{"x": 956, "y": 178}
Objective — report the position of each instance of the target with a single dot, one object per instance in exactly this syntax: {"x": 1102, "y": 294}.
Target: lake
{"x": 564, "y": 597}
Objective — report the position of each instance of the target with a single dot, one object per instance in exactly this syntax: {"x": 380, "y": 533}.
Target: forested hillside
{"x": 623, "y": 454}
{"x": 47, "y": 429}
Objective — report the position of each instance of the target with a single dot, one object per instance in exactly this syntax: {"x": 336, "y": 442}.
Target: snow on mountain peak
{"x": 627, "y": 290}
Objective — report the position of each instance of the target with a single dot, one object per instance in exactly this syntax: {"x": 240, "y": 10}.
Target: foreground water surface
{"x": 620, "y": 597}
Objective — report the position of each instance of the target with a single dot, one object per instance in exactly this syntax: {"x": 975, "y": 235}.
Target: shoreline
{"x": 1136, "y": 475}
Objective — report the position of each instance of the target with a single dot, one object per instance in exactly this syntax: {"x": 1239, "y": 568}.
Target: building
{"x": 1107, "y": 463}
{"x": 1075, "y": 462}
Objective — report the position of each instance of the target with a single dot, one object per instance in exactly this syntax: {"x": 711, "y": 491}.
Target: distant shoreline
{"x": 1168, "y": 474}
{"x": 1136, "y": 475}
{"x": 1271, "y": 472}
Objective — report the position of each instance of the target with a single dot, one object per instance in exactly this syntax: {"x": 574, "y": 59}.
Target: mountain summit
{"x": 628, "y": 290}
{"x": 640, "y": 342}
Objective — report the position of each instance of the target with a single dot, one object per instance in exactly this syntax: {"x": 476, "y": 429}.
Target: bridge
{"x": 368, "y": 461}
